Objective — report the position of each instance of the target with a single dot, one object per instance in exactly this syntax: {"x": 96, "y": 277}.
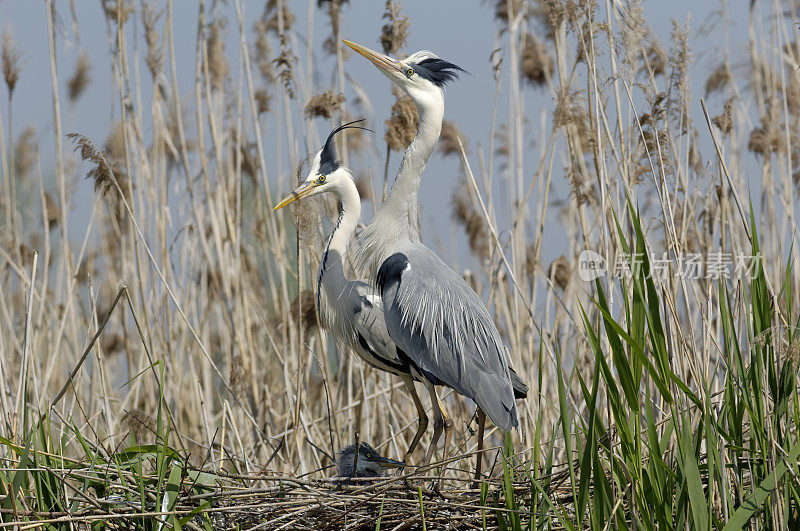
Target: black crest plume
{"x": 438, "y": 71}
{"x": 328, "y": 161}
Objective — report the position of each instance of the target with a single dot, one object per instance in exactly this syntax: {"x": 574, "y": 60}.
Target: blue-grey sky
{"x": 461, "y": 31}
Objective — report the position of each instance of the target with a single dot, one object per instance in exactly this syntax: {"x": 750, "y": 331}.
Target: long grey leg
{"x": 423, "y": 417}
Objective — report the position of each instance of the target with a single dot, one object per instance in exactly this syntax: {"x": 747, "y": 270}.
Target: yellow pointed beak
{"x": 304, "y": 190}
{"x": 384, "y": 62}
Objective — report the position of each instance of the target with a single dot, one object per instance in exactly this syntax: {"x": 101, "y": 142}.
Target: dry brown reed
{"x": 448, "y": 140}
{"x": 402, "y": 124}
{"x": 10, "y": 60}
{"x": 155, "y": 53}
{"x": 118, "y": 10}
{"x": 25, "y": 152}
{"x": 395, "y": 32}
{"x": 472, "y": 221}
{"x": 217, "y": 59}
{"x": 559, "y": 272}
{"x": 536, "y": 62}
{"x": 324, "y": 104}
{"x": 80, "y": 77}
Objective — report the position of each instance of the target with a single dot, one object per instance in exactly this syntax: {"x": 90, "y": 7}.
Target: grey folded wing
{"x": 443, "y": 327}
{"x": 369, "y": 324}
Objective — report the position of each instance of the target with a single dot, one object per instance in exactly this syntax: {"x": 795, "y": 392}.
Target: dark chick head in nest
{"x": 368, "y": 464}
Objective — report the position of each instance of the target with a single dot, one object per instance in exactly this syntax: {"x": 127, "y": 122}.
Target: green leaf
{"x": 754, "y": 502}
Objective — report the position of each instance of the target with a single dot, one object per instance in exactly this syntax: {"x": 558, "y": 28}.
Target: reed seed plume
{"x": 106, "y": 182}
{"x": 448, "y": 140}
{"x": 80, "y": 78}
{"x": 724, "y": 120}
{"x": 580, "y": 189}
{"x": 768, "y": 137}
{"x": 265, "y": 25}
{"x": 719, "y": 79}
{"x": 590, "y": 31}
{"x": 334, "y": 9}
{"x": 559, "y": 272}
{"x": 271, "y": 19}
{"x": 217, "y": 60}
{"x": 395, "y": 32}
{"x": 155, "y": 54}
{"x": 11, "y": 58}
{"x": 263, "y": 100}
{"x": 307, "y": 218}
{"x": 285, "y": 64}
{"x": 472, "y": 221}
{"x": 118, "y": 10}
{"x": 536, "y": 62}
{"x": 531, "y": 260}
{"x": 679, "y": 94}
{"x": 25, "y": 152}
{"x": 52, "y": 211}
{"x": 571, "y": 111}
{"x": 401, "y": 127}
{"x": 324, "y": 104}
{"x": 552, "y": 13}
{"x": 656, "y": 58}
{"x": 303, "y": 310}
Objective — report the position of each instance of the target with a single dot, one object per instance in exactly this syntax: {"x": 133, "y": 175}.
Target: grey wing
{"x": 443, "y": 327}
{"x": 369, "y": 324}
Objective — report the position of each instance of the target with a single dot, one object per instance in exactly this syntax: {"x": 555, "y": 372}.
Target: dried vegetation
{"x": 161, "y": 361}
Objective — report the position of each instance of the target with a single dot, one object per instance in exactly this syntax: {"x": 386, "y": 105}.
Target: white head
{"x": 327, "y": 174}
{"x": 422, "y": 75}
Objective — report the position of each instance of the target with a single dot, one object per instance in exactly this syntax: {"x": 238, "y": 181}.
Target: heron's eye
{"x": 410, "y": 72}
{"x": 321, "y": 179}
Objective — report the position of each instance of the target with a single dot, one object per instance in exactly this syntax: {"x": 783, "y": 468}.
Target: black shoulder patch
{"x": 438, "y": 71}
{"x": 391, "y": 269}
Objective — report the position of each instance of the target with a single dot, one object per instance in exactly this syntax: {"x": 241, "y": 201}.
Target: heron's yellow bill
{"x": 378, "y": 59}
{"x": 300, "y": 192}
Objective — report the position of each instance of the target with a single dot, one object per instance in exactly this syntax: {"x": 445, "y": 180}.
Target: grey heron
{"x": 352, "y": 309}
{"x": 364, "y": 463}
{"x": 437, "y": 321}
